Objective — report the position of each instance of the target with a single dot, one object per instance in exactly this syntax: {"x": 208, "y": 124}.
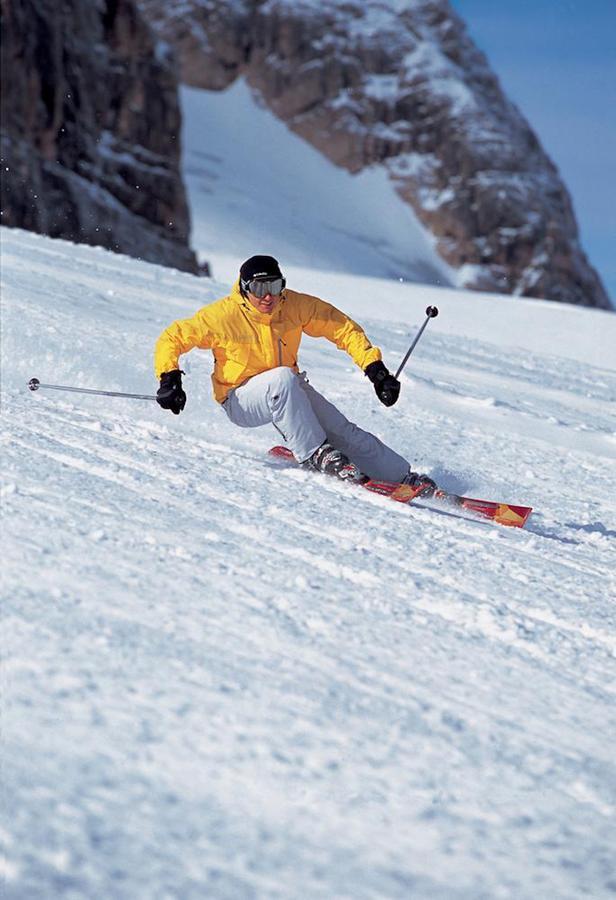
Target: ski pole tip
{"x": 432, "y": 312}
{"x": 33, "y": 384}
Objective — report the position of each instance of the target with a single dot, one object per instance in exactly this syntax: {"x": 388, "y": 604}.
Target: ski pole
{"x": 34, "y": 384}
{"x": 431, "y": 313}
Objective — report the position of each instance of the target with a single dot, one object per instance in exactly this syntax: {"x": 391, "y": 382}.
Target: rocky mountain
{"x": 400, "y": 84}
{"x": 90, "y": 129}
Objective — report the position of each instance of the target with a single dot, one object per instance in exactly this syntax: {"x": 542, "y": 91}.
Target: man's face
{"x": 265, "y": 304}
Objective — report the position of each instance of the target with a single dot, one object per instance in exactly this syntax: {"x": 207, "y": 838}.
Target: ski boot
{"x": 329, "y": 461}
{"x": 414, "y": 479}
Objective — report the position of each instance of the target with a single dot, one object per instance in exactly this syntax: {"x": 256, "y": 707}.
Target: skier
{"x": 254, "y": 334}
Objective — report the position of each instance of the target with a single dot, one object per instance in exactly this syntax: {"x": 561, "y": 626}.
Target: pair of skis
{"x": 502, "y": 513}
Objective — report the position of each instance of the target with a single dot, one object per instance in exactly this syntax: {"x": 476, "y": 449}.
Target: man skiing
{"x": 254, "y": 334}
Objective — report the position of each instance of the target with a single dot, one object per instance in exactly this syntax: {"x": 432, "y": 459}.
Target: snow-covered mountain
{"x": 400, "y": 88}
{"x": 445, "y": 169}
{"x": 224, "y": 679}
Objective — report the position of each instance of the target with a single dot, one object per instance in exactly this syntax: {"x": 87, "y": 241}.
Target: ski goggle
{"x": 261, "y": 287}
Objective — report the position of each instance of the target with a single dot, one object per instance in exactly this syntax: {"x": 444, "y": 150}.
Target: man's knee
{"x": 282, "y": 380}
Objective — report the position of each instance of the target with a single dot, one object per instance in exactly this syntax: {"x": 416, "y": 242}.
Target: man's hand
{"x": 387, "y": 387}
{"x": 170, "y": 394}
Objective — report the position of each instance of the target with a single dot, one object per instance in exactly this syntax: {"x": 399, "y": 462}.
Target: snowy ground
{"x": 227, "y": 680}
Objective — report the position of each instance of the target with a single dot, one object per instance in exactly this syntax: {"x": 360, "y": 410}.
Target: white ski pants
{"x": 305, "y": 419}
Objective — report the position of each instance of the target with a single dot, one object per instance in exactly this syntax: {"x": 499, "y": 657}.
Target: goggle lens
{"x": 261, "y": 288}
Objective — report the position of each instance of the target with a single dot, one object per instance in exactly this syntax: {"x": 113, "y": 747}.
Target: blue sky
{"x": 556, "y": 59}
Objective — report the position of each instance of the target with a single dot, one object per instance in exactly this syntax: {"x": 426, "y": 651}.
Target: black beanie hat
{"x": 260, "y": 266}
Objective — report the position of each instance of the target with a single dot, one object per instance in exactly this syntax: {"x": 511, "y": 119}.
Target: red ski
{"x": 502, "y": 513}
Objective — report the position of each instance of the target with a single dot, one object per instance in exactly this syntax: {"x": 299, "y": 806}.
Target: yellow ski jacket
{"x": 245, "y": 341}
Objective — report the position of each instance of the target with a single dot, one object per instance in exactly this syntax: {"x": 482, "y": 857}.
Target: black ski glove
{"x": 170, "y": 394}
{"x": 386, "y": 386}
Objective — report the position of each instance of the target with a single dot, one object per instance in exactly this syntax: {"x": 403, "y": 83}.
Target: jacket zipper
{"x": 282, "y": 344}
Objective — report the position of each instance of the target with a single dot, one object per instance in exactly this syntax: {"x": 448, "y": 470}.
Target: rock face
{"x": 399, "y": 84}
{"x": 90, "y": 129}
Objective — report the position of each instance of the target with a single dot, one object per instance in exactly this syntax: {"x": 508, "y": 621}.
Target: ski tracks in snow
{"x": 307, "y": 646}
{"x": 227, "y": 679}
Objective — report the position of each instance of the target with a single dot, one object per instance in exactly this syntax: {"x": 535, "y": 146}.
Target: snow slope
{"x": 224, "y": 679}
{"x": 290, "y": 198}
